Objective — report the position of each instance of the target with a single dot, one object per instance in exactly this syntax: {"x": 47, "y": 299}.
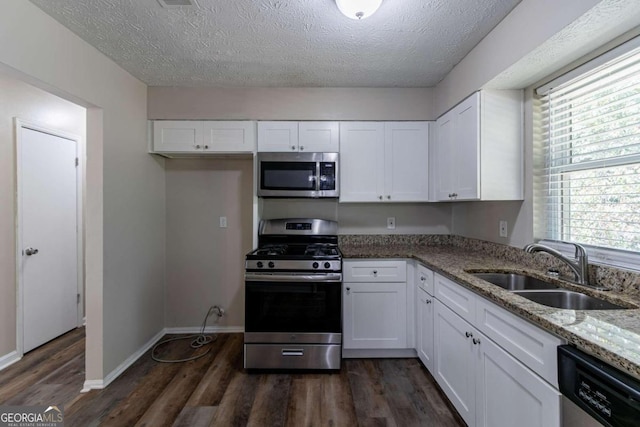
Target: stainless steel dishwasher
{"x": 607, "y": 394}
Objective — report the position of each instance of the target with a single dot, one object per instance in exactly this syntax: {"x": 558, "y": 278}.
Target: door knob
{"x": 30, "y": 251}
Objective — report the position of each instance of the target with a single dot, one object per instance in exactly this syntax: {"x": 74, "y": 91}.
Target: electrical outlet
{"x": 391, "y": 223}
{"x": 503, "y": 229}
{"x": 223, "y": 222}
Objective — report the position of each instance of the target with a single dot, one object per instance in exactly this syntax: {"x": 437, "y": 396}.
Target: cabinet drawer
{"x": 526, "y": 342}
{"x": 457, "y": 298}
{"x": 374, "y": 271}
{"x": 424, "y": 278}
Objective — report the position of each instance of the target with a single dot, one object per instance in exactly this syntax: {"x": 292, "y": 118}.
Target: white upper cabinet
{"x": 319, "y": 137}
{"x": 177, "y": 135}
{"x": 313, "y": 137}
{"x": 406, "y": 171}
{"x": 278, "y": 136}
{"x": 197, "y": 136}
{"x": 361, "y": 161}
{"x": 229, "y": 136}
{"x": 384, "y": 161}
{"x": 477, "y": 151}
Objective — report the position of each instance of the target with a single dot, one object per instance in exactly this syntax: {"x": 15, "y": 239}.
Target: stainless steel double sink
{"x": 546, "y": 293}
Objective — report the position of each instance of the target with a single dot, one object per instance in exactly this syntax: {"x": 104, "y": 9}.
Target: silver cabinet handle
{"x": 301, "y": 147}
{"x": 388, "y": 197}
{"x": 293, "y": 147}
{"x": 422, "y": 278}
{"x": 197, "y": 146}
{"x": 468, "y": 334}
{"x": 428, "y": 301}
{"x": 206, "y": 147}
{"x": 380, "y": 197}
{"x": 476, "y": 341}
{"x": 30, "y": 251}
{"x": 348, "y": 291}
{"x": 292, "y": 352}
{"x": 375, "y": 273}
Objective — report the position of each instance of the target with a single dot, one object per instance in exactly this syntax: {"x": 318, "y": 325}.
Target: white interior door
{"x": 48, "y": 236}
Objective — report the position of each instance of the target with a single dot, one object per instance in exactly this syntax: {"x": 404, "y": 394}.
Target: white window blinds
{"x": 591, "y": 147}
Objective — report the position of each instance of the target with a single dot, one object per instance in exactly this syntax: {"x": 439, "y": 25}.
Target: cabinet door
{"x": 509, "y": 394}
{"x": 229, "y": 136}
{"x": 467, "y": 149}
{"x": 406, "y": 161}
{"x": 278, "y": 136}
{"x": 454, "y": 360}
{"x": 374, "y": 316}
{"x": 319, "y": 137}
{"x": 177, "y": 136}
{"x": 425, "y": 329}
{"x": 361, "y": 161}
{"x": 442, "y": 175}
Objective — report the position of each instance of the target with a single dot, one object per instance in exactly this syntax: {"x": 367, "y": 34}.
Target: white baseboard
{"x": 9, "y": 359}
{"x": 92, "y": 385}
{"x": 108, "y": 379}
{"x": 207, "y": 330}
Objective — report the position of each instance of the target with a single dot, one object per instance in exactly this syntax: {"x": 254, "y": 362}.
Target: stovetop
{"x": 296, "y": 251}
{"x": 296, "y": 245}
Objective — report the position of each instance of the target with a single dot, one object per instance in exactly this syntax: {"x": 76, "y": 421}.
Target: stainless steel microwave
{"x": 312, "y": 175}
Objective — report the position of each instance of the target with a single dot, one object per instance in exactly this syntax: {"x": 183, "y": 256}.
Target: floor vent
{"x": 177, "y": 3}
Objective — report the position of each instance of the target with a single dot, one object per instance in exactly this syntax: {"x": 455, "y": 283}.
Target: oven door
{"x": 308, "y": 311}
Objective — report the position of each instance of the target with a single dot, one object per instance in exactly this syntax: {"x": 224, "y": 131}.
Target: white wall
{"x": 18, "y": 99}
{"x": 291, "y": 103}
{"x": 125, "y": 225}
{"x": 366, "y": 218}
{"x": 205, "y": 263}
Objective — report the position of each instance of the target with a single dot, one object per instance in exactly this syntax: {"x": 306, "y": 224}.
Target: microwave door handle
{"x": 318, "y": 176}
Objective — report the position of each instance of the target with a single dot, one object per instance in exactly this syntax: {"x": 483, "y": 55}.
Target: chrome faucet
{"x": 579, "y": 265}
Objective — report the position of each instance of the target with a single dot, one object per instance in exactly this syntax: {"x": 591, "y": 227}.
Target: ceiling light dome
{"x": 358, "y": 9}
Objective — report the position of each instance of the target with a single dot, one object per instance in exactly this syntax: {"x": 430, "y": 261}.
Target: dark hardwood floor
{"x": 215, "y": 390}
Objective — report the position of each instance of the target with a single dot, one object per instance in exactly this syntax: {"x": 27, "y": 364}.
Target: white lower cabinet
{"x": 509, "y": 394}
{"x": 375, "y": 305}
{"x": 488, "y": 386}
{"x": 425, "y": 310}
{"x": 454, "y": 360}
{"x": 374, "y": 315}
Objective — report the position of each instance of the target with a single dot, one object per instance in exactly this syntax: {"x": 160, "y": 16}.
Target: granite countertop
{"x": 611, "y": 335}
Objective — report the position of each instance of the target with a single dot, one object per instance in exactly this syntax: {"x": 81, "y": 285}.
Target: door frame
{"x": 19, "y": 124}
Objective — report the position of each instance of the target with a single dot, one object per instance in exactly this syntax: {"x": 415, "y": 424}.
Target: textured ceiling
{"x": 282, "y": 43}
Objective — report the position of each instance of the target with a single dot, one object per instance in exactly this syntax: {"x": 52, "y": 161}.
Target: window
{"x": 590, "y": 180}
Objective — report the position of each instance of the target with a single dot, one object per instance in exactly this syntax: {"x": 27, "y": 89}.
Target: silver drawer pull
{"x": 293, "y": 352}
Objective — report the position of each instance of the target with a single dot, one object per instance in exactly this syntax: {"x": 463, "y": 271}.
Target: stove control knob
{"x": 260, "y": 264}
{"x": 327, "y": 265}
{"x": 271, "y": 264}
{"x": 315, "y": 265}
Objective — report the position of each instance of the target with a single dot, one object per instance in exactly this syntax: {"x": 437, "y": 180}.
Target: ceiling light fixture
{"x": 358, "y": 9}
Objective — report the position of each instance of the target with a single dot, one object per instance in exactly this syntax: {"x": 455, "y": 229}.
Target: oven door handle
{"x": 259, "y": 277}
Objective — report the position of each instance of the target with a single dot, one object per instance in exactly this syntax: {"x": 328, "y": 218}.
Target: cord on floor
{"x": 199, "y": 340}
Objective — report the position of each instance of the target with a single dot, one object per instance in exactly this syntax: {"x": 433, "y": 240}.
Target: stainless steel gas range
{"x": 293, "y": 297}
